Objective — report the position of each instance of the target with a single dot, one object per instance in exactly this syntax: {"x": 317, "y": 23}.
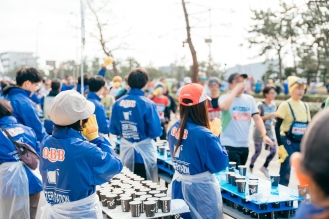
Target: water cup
{"x": 302, "y": 190}
{"x": 156, "y": 200}
{"x": 231, "y": 167}
{"x": 253, "y": 188}
{"x": 165, "y": 204}
{"x": 125, "y": 203}
{"x": 162, "y": 190}
{"x": 139, "y": 194}
{"x": 228, "y": 175}
{"x": 135, "y": 208}
{"x": 104, "y": 202}
{"x": 246, "y": 211}
{"x": 162, "y": 151}
{"x": 273, "y": 215}
{"x": 275, "y": 180}
{"x": 242, "y": 170}
{"x": 168, "y": 153}
{"x": 160, "y": 195}
{"x": 154, "y": 192}
{"x": 142, "y": 200}
{"x": 111, "y": 201}
{"x": 150, "y": 208}
{"x": 253, "y": 214}
{"x": 276, "y": 205}
{"x": 154, "y": 187}
{"x": 241, "y": 185}
{"x": 232, "y": 179}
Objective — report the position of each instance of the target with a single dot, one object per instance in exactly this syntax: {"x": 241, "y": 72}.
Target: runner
{"x": 46, "y": 104}
{"x": 20, "y": 187}
{"x": 197, "y": 154}
{"x": 237, "y": 111}
{"x": 213, "y": 106}
{"x": 266, "y": 109}
{"x": 25, "y": 112}
{"x": 72, "y": 166}
{"x": 312, "y": 167}
{"x": 116, "y": 87}
{"x": 292, "y": 118}
{"x": 96, "y": 89}
{"x": 161, "y": 102}
{"x": 136, "y": 120}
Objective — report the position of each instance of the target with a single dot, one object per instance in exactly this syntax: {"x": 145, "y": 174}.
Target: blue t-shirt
{"x": 258, "y": 87}
{"x": 135, "y": 118}
{"x": 65, "y": 87}
{"x": 71, "y": 166}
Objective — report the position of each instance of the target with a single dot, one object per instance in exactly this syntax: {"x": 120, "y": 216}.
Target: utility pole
{"x": 209, "y": 41}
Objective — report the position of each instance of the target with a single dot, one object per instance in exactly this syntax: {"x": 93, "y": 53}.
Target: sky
{"x": 151, "y": 31}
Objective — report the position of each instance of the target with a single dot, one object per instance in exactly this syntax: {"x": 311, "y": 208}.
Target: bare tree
{"x": 195, "y": 68}
{"x": 100, "y": 26}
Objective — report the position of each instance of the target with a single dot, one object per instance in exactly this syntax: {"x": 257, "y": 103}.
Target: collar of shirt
{"x": 18, "y": 90}
{"x": 135, "y": 91}
{"x": 93, "y": 96}
{"x": 66, "y": 133}
{"x": 6, "y": 120}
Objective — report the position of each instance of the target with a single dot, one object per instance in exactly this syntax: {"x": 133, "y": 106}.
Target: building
{"x": 12, "y": 60}
{"x": 255, "y": 70}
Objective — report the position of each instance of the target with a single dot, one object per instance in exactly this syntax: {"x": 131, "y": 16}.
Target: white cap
{"x": 187, "y": 80}
{"x": 69, "y": 107}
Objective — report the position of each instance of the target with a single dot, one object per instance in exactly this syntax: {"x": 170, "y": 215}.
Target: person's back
{"x": 19, "y": 185}
{"x": 19, "y": 96}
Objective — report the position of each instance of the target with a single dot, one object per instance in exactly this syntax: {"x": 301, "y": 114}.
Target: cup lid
{"x": 165, "y": 198}
{"x": 232, "y": 162}
{"x": 253, "y": 184}
{"x": 240, "y": 180}
{"x": 135, "y": 202}
{"x": 242, "y": 166}
{"x": 160, "y": 195}
{"x": 125, "y": 198}
{"x": 149, "y": 203}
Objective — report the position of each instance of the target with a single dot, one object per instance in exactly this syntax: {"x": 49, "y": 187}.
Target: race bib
{"x": 241, "y": 113}
{"x": 298, "y": 128}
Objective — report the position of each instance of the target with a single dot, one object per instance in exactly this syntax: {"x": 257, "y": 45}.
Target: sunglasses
{"x": 214, "y": 85}
{"x": 299, "y": 82}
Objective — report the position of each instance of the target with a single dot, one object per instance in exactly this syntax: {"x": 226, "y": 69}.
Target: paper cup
{"x": 146, "y": 196}
{"x": 253, "y": 214}
{"x": 142, "y": 200}
{"x": 125, "y": 204}
{"x": 241, "y": 184}
{"x": 302, "y": 190}
{"x": 153, "y": 192}
{"x": 111, "y": 201}
{"x": 135, "y": 208}
{"x": 246, "y": 211}
{"x": 160, "y": 195}
{"x": 139, "y": 194}
{"x": 154, "y": 187}
{"x": 242, "y": 170}
{"x": 156, "y": 200}
{"x": 168, "y": 153}
{"x": 232, "y": 166}
{"x": 233, "y": 178}
{"x": 276, "y": 205}
{"x": 149, "y": 208}
{"x": 145, "y": 182}
{"x": 104, "y": 202}
{"x": 145, "y": 190}
{"x": 162, "y": 190}
{"x": 275, "y": 180}
{"x": 253, "y": 188}
{"x": 162, "y": 151}
{"x": 262, "y": 207}
{"x": 273, "y": 215}
{"x": 228, "y": 175}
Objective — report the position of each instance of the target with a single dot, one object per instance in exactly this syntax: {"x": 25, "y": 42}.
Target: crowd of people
{"x": 69, "y": 129}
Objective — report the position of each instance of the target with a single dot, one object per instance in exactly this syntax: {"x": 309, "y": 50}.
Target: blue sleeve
{"x": 102, "y": 72}
{"x": 114, "y": 124}
{"x": 153, "y": 123}
{"x": 106, "y": 164}
{"x": 42, "y": 101}
{"x": 102, "y": 121}
{"x": 35, "y": 98}
{"x": 31, "y": 119}
{"x": 216, "y": 157}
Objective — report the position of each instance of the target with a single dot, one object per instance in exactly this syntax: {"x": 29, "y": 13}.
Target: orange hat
{"x": 194, "y": 92}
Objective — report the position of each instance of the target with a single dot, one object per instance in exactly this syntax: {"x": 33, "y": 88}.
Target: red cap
{"x": 194, "y": 92}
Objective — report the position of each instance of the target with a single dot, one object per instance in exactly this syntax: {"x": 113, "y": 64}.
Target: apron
{"x": 14, "y": 191}
{"x": 297, "y": 129}
{"x": 202, "y": 194}
{"x": 147, "y": 149}
{"x": 85, "y": 208}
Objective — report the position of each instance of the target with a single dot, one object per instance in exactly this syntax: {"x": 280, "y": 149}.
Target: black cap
{"x": 234, "y": 76}
{"x": 315, "y": 145}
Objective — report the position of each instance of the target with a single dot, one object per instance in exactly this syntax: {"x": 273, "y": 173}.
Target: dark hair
{"x": 5, "y": 108}
{"x": 85, "y": 79}
{"x": 96, "y": 83}
{"x": 138, "y": 78}
{"x": 267, "y": 89}
{"x": 55, "y": 84}
{"x": 27, "y": 74}
{"x": 199, "y": 115}
{"x": 76, "y": 126}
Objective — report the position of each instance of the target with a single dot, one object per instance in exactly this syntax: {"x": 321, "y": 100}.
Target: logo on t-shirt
{"x": 175, "y": 132}
{"x": 128, "y": 103}
{"x": 53, "y": 154}
{"x": 241, "y": 113}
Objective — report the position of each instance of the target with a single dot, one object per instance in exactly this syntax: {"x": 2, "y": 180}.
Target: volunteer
{"x": 75, "y": 159}
{"x": 197, "y": 154}
{"x": 312, "y": 167}
{"x": 27, "y": 79}
{"x": 69, "y": 83}
{"x": 96, "y": 89}
{"x": 136, "y": 120}
{"x": 161, "y": 102}
{"x": 237, "y": 110}
{"x": 20, "y": 186}
{"x": 213, "y": 106}
{"x": 266, "y": 108}
{"x": 46, "y": 104}
{"x": 292, "y": 118}
{"x": 85, "y": 84}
